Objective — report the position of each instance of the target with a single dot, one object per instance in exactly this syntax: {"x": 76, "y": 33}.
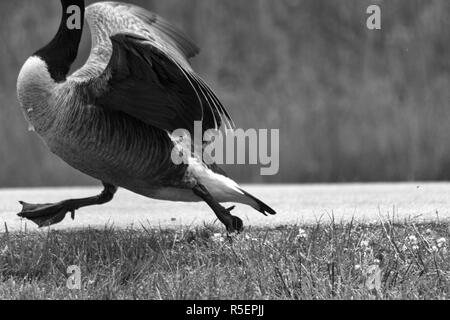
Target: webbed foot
{"x": 232, "y": 223}
{"x": 45, "y": 215}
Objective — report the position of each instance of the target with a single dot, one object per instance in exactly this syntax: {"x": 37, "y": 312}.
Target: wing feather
{"x": 139, "y": 65}
{"x": 173, "y": 34}
{"x": 145, "y": 83}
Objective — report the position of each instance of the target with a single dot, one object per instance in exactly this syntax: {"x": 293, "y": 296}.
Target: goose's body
{"x": 113, "y": 118}
{"x": 107, "y": 145}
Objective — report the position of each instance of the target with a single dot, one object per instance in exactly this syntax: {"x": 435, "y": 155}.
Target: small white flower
{"x": 365, "y": 243}
{"x": 5, "y": 250}
{"x": 376, "y": 261}
{"x": 441, "y": 242}
{"x": 248, "y": 238}
{"x": 218, "y": 237}
{"x": 301, "y": 230}
{"x": 302, "y": 234}
{"x": 415, "y": 247}
{"x": 412, "y": 239}
{"x": 434, "y": 249}
{"x": 357, "y": 266}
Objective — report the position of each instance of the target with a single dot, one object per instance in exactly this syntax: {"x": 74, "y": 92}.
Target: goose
{"x": 114, "y": 118}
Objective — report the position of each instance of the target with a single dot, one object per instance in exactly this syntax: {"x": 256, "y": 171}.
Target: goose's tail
{"x": 223, "y": 189}
{"x": 258, "y": 204}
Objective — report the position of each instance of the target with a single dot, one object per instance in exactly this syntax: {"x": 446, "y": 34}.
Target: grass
{"x": 389, "y": 260}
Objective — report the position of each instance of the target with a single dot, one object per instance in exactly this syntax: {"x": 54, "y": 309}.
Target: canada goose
{"x": 112, "y": 119}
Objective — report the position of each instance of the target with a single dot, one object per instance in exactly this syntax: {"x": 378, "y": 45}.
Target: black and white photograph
{"x": 242, "y": 152}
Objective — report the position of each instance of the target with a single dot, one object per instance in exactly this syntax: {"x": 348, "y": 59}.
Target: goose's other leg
{"x": 231, "y": 222}
{"x": 49, "y": 214}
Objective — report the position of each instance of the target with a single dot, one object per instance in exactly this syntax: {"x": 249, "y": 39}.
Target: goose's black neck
{"x": 62, "y": 51}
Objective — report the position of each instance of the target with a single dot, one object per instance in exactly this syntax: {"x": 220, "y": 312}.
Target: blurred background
{"x": 351, "y": 104}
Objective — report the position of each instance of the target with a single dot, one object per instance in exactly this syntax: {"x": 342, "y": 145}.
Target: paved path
{"x": 294, "y": 203}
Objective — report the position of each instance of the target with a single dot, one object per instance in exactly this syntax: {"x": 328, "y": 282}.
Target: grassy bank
{"x": 324, "y": 261}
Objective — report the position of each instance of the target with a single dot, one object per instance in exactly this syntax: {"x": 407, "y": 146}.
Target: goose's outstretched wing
{"x": 148, "y": 75}
{"x": 156, "y": 23}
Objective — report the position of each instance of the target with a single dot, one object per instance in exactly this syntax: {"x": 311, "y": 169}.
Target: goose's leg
{"x": 231, "y": 222}
{"x": 49, "y": 214}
